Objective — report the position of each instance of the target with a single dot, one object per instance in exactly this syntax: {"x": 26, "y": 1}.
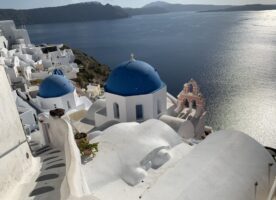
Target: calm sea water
{"x": 231, "y": 55}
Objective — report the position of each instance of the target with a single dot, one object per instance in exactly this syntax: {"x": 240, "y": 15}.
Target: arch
{"x": 159, "y": 109}
{"x": 116, "y": 110}
{"x": 186, "y": 103}
{"x": 194, "y": 104}
{"x": 139, "y": 112}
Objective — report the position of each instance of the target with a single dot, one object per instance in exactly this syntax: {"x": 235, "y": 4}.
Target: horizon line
{"x": 134, "y": 7}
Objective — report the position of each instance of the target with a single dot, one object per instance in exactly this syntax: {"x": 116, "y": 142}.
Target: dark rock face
{"x": 69, "y": 13}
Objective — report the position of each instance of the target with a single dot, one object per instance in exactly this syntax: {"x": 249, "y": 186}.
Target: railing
{"x": 12, "y": 149}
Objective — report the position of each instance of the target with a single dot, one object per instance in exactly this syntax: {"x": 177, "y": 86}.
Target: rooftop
{"x": 133, "y": 78}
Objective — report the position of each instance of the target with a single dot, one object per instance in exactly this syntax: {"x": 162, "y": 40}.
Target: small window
{"x": 187, "y": 105}
{"x": 68, "y": 105}
{"x": 191, "y": 89}
{"x": 116, "y": 111}
{"x": 55, "y": 105}
{"x": 194, "y": 104}
{"x": 139, "y": 112}
{"x": 159, "y": 109}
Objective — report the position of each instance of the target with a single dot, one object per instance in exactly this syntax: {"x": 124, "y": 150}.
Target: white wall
{"x": 61, "y": 57}
{"x": 22, "y": 34}
{"x": 3, "y": 42}
{"x": 225, "y": 166}
{"x": 13, "y": 161}
{"x": 12, "y": 34}
{"x": 39, "y": 75}
{"x": 28, "y": 119}
{"x": 127, "y": 105}
{"x": 74, "y": 185}
{"x": 121, "y": 101}
{"x": 7, "y": 28}
{"x": 60, "y": 102}
{"x": 49, "y": 103}
{"x": 100, "y": 119}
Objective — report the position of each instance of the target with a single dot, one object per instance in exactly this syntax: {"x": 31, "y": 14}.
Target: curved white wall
{"x": 225, "y": 166}
{"x": 59, "y": 102}
{"x": 74, "y": 185}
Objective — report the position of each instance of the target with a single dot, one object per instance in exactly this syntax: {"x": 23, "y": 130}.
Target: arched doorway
{"x": 186, "y": 103}
{"x": 159, "y": 109}
{"x": 139, "y": 112}
{"x": 116, "y": 111}
{"x": 194, "y": 104}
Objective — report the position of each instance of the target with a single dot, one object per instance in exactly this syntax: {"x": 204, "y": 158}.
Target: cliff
{"x": 253, "y": 7}
{"x": 91, "y": 71}
{"x": 69, "y": 13}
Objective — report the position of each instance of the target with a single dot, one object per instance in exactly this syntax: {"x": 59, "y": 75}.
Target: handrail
{"x": 13, "y": 148}
{"x": 74, "y": 178}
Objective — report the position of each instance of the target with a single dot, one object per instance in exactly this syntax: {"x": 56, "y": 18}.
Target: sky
{"x": 25, "y": 4}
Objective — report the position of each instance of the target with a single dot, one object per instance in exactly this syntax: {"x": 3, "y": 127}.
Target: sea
{"x": 232, "y": 56}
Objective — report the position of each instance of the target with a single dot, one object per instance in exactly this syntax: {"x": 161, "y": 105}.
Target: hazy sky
{"x": 125, "y": 3}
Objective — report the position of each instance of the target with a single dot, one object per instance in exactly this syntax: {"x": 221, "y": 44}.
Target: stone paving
{"x": 45, "y": 185}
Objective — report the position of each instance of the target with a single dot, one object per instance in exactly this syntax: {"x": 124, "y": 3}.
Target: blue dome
{"x": 133, "y": 78}
{"x": 55, "y": 86}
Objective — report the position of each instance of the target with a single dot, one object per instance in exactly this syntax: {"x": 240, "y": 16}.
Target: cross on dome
{"x": 132, "y": 57}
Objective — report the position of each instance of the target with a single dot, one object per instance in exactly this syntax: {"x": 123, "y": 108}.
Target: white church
{"x": 133, "y": 92}
{"x": 56, "y": 91}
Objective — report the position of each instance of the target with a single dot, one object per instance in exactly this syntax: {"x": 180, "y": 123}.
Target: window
{"x": 116, "y": 111}
{"x": 187, "y": 105}
{"x": 68, "y": 105}
{"x": 55, "y": 105}
{"x": 159, "y": 110}
{"x": 139, "y": 112}
{"x": 191, "y": 89}
{"x": 194, "y": 104}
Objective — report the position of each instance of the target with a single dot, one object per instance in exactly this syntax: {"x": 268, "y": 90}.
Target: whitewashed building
{"x": 133, "y": 92}
{"x": 3, "y": 41}
{"x": 56, "y": 91}
{"x": 14, "y": 35}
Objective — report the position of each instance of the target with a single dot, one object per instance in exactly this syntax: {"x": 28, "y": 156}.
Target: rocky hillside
{"x": 91, "y": 71}
{"x": 69, "y": 13}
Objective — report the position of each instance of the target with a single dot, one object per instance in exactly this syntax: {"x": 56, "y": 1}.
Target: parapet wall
{"x": 74, "y": 185}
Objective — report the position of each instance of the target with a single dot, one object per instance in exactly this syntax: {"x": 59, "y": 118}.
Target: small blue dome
{"x": 55, "y": 86}
{"x": 133, "y": 78}
{"x": 58, "y": 72}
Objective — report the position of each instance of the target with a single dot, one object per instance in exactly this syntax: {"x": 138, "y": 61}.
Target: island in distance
{"x": 92, "y": 11}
